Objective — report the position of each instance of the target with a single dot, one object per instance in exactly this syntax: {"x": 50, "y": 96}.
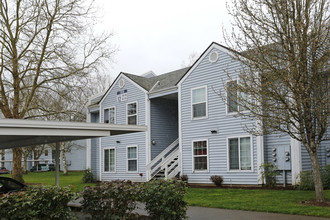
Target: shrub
{"x": 217, "y": 180}
{"x": 88, "y": 176}
{"x": 111, "y": 200}
{"x": 164, "y": 199}
{"x": 326, "y": 176}
{"x": 307, "y": 182}
{"x": 269, "y": 171}
{"x": 184, "y": 178}
{"x": 37, "y": 203}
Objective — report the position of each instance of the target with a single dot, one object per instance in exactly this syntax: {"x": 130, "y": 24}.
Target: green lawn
{"x": 48, "y": 178}
{"x": 281, "y": 201}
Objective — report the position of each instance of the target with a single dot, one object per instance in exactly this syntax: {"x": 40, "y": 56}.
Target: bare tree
{"x": 190, "y": 60}
{"x": 45, "y": 45}
{"x": 2, "y": 155}
{"x": 284, "y": 83}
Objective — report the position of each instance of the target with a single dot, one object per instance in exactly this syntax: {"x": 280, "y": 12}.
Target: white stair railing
{"x": 167, "y": 160}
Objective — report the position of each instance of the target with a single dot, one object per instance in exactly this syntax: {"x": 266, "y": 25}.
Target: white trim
{"x": 191, "y": 103}
{"x": 216, "y": 59}
{"x": 102, "y": 160}
{"x": 206, "y": 53}
{"x": 137, "y": 159}
{"x": 207, "y": 156}
{"x": 148, "y": 133}
{"x": 239, "y": 156}
{"x": 108, "y": 108}
{"x": 180, "y": 128}
{"x": 137, "y": 112}
{"x": 296, "y": 163}
{"x": 88, "y": 145}
{"x": 260, "y": 156}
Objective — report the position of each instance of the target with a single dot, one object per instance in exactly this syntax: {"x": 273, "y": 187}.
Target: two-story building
{"x": 191, "y": 131}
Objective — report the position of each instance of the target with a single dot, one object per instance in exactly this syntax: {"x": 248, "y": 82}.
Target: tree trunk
{"x": 2, "y": 157}
{"x": 25, "y": 164}
{"x": 65, "y": 168}
{"x": 17, "y": 165}
{"x": 317, "y": 177}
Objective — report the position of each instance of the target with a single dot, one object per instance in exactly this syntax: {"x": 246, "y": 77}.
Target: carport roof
{"x": 21, "y": 133}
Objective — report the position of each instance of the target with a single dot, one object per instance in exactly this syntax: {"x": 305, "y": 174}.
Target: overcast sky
{"x": 160, "y": 35}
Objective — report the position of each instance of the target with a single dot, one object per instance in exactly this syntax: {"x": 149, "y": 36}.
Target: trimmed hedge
{"x": 117, "y": 199}
{"x": 37, "y": 203}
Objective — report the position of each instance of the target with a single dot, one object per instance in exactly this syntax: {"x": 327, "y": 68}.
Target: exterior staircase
{"x": 167, "y": 164}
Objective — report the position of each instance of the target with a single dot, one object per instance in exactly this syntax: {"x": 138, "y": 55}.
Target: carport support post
{"x": 57, "y": 164}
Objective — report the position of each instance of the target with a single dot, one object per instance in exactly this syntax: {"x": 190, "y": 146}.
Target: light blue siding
{"x": 322, "y": 155}
{"x": 279, "y": 142}
{"x": 120, "y": 142}
{"x": 164, "y": 124}
{"x": 95, "y": 148}
{"x": 214, "y": 76}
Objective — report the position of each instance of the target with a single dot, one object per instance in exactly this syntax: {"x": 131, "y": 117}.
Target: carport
{"x": 23, "y": 133}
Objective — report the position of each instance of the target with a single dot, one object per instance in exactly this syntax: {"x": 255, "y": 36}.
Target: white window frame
{"x": 114, "y": 107}
{"x": 206, "y": 103}
{"x": 137, "y": 112}
{"x": 109, "y": 148}
{"x": 227, "y": 100}
{"x": 137, "y": 159}
{"x": 193, "y": 156}
{"x": 239, "y": 154}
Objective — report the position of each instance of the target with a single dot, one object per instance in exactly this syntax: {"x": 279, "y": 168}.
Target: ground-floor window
{"x": 200, "y": 155}
{"x": 109, "y": 160}
{"x": 132, "y": 159}
{"x": 239, "y": 153}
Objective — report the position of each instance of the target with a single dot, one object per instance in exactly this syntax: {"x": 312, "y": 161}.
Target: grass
{"x": 278, "y": 201}
{"x": 48, "y": 178}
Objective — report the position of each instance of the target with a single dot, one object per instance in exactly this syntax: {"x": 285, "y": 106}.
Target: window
{"x": 200, "y": 155}
{"x": 46, "y": 153}
{"x": 132, "y": 114}
{"x": 233, "y": 97}
{"x": 109, "y": 160}
{"x": 239, "y": 153}
{"x": 110, "y": 115}
{"x": 198, "y": 101}
{"x": 131, "y": 159}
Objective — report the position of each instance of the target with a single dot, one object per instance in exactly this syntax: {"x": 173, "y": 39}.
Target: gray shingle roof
{"x": 164, "y": 81}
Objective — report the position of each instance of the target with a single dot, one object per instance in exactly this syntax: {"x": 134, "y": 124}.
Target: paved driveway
{"x": 200, "y": 213}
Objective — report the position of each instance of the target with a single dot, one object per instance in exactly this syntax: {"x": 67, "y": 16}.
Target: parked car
{"x": 3, "y": 170}
{"x": 51, "y": 167}
{"x": 40, "y": 168}
{"x": 8, "y": 185}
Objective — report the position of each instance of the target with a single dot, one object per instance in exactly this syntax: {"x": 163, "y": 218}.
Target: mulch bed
{"x": 315, "y": 203}
{"x": 240, "y": 187}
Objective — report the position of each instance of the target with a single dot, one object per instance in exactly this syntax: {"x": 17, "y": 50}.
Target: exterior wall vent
{"x": 121, "y": 83}
{"x": 213, "y": 57}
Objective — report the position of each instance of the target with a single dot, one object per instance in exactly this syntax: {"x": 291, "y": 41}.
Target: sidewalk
{"x": 201, "y": 213}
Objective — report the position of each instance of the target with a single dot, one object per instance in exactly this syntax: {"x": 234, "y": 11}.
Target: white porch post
{"x": 57, "y": 164}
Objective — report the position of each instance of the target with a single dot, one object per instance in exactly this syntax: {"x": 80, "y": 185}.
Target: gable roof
{"x": 155, "y": 83}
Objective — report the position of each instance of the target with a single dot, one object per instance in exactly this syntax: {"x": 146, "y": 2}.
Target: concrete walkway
{"x": 201, "y": 213}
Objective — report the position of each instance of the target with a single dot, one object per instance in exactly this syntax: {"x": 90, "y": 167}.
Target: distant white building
{"x": 76, "y": 157}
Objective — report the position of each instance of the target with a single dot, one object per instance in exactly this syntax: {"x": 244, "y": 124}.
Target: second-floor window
{"x": 110, "y": 115}
{"x": 198, "y": 102}
{"x": 132, "y": 113}
{"x": 234, "y": 97}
